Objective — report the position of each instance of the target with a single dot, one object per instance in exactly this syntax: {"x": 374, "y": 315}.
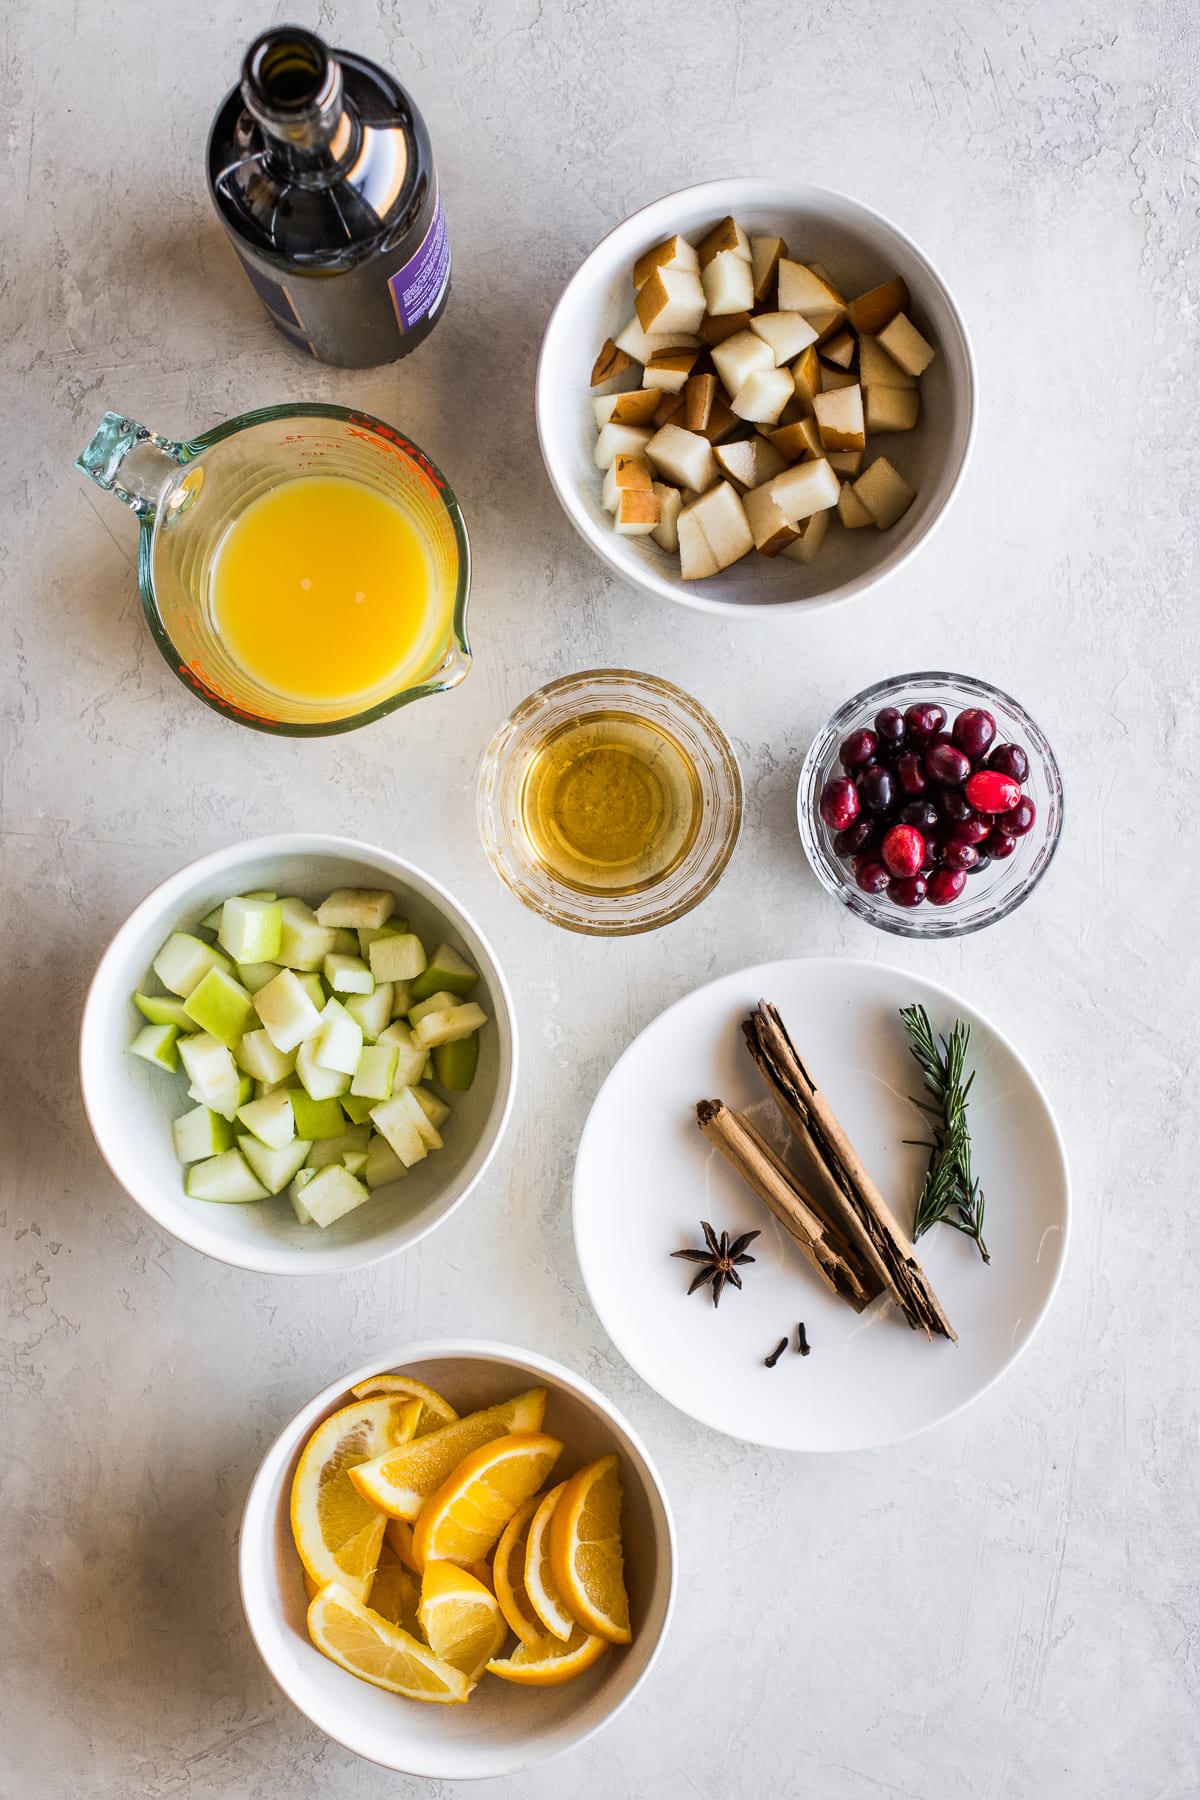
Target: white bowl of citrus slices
{"x": 458, "y": 1560}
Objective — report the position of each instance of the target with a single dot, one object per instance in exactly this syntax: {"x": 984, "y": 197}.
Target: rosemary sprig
{"x": 950, "y": 1193}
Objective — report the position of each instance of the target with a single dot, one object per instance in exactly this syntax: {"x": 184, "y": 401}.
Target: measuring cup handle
{"x": 131, "y": 461}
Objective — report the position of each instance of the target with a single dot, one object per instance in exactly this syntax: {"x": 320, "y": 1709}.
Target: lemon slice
{"x": 540, "y": 1583}
{"x": 436, "y": 1411}
{"x": 508, "y": 1574}
{"x": 359, "y": 1641}
{"x": 466, "y": 1515}
{"x": 460, "y": 1618}
{"x": 337, "y": 1532}
{"x": 585, "y": 1550}
{"x": 399, "y": 1482}
{"x": 395, "y": 1594}
{"x": 547, "y": 1661}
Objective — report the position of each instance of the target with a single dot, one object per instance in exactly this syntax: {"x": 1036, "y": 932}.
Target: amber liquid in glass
{"x": 610, "y": 803}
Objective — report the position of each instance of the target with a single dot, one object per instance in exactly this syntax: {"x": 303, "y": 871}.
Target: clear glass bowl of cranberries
{"x": 930, "y": 805}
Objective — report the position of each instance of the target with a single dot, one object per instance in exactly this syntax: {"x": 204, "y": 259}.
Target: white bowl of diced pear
{"x": 755, "y": 394}
{"x": 298, "y": 1054}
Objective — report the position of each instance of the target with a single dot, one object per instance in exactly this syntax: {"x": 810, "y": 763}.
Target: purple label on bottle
{"x": 420, "y": 284}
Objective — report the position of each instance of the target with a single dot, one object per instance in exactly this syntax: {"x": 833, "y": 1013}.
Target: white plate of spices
{"x": 780, "y": 1101}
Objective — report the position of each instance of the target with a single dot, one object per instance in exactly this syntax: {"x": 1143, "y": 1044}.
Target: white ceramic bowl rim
{"x": 255, "y": 1581}
{"x": 725, "y": 195}
{"x": 165, "y": 1208}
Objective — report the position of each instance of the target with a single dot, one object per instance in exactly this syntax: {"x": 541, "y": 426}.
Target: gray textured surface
{"x": 1007, "y": 1608}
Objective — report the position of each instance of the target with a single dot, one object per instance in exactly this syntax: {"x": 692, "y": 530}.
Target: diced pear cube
{"x": 728, "y": 284}
{"x": 872, "y": 311}
{"x": 739, "y": 356}
{"x": 832, "y": 379}
{"x": 851, "y": 510}
{"x": 670, "y": 300}
{"x": 791, "y": 442}
{"x": 251, "y": 930}
{"x": 200, "y": 1134}
{"x": 636, "y": 408}
{"x": 636, "y": 514}
{"x": 700, "y": 397}
{"x": 357, "y": 908}
{"x": 840, "y": 349}
{"x": 722, "y": 521}
{"x": 641, "y": 345}
{"x": 696, "y": 560}
{"x": 765, "y": 254}
{"x": 673, "y": 253}
{"x": 885, "y": 494}
{"x": 726, "y": 235}
{"x": 287, "y": 1011}
{"x": 319, "y": 1083}
{"x": 668, "y": 370}
{"x": 332, "y": 1193}
{"x": 748, "y": 462}
{"x": 611, "y": 363}
{"x": 184, "y": 961}
{"x": 807, "y": 377}
{"x": 847, "y": 462}
{"x": 877, "y": 369}
{"x": 891, "y": 408}
{"x": 348, "y": 974}
{"x": 397, "y": 958}
{"x": 772, "y": 532}
{"x": 802, "y": 290}
{"x": 763, "y": 396}
{"x": 683, "y": 458}
{"x": 840, "y": 418}
{"x": 812, "y": 536}
{"x": 271, "y": 1120}
{"x": 785, "y": 333}
{"x": 715, "y": 331}
{"x": 304, "y": 944}
{"x": 804, "y": 489}
{"x": 666, "y": 532}
{"x": 617, "y": 440}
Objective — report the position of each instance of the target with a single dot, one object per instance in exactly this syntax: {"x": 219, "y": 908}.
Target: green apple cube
{"x": 358, "y": 908}
{"x": 316, "y": 1119}
{"x": 376, "y": 1071}
{"x": 332, "y": 1193}
{"x": 355, "y": 1162}
{"x": 345, "y": 942}
{"x": 200, "y": 1134}
{"x": 337, "y": 1149}
{"x": 357, "y": 1107}
{"x": 410, "y": 1064}
{"x": 315, "y": 988}
{"x": 439, "y": 1002}
{"x": 339, "y": 1043}
{"x": 272, "y": 1122}
{"x": 443, "y": 1027}
{"x": 304, "y": 944}
{"x": 251, "y": 931}
{"x": 163, "y": 1011}
{"x": 454, "y": 1064}
{"x": 319, "y": 1083}
{"x": 447, "y": 971}
{"x": 210, "y": 1068}
{"x": 401, "y": 999}
{"x": 348, "y": 974}
{"x": 295, "y": 1193}
{"x": 184, "y": 961}
{"x": 260, "y": 894}
{"x": 287, "y": 1012}
{"x": 226, "y": 1177}
{"x": 393, "y": 927}
{"x": 434, "y": 1108}
{"x": 401, "y": 1121}
{"x": 258, "y": 1056}
{"x": 373, "y": 1011}
{"x": 256, "y": 975}
{"x": 399, "y": 958}
{"x": 157, "y": 1044}
{"x": 212, "y": 921}
{"x": 222, "y": 1007}
{"x": 383, "y": 1165}
{"x": 274, "y": 1168}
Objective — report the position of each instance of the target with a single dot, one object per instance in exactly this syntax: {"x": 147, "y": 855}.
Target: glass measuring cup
{"x": 187, "y": 495}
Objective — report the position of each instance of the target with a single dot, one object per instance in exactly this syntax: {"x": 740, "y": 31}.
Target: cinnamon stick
{"x": 865, "y": 1214}
{"x": 840, "y": 1267}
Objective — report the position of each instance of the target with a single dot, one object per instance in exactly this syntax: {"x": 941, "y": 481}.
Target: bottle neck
{"x": 292, "y": 87}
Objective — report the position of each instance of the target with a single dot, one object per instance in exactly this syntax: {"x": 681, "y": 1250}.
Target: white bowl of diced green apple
{"x": 298, "y": 1054}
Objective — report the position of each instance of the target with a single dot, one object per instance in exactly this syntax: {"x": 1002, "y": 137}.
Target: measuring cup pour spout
{"x": 132, "y": 462}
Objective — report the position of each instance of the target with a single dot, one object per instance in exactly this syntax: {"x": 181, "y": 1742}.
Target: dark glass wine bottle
{"x": 321, "y": 170}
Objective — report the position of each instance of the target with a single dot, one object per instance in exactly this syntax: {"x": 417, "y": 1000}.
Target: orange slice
{"x": 400, "y": 1482}
{"x": 398, "y": 1533}
{"x": 435, "y": 1413}
{"x": 585, "y": 1550}
{"x": 338, "y": 1533}
{"x": 462, "y": 1521}
{"x": 547, "y": 1662}
{"x": 508, "y": 1574}
{"x": 359, "y": 1641}
{"x": 395, "y": 1594}
{"x": 460, "y": 1618}
{"x": 540, "y": 1584}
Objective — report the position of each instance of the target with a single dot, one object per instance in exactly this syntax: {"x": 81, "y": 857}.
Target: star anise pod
{"x": 720, "y": 1261}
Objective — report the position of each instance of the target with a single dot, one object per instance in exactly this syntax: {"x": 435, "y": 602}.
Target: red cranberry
{"x": 947, "y": 764}
{"x": 946, "y": 885}
{"x": 876, "y": 789}
{"x": 1020, "y": 819}
{"x": 903, "y": 850}
{"x": 862, "y": 835}
{"x": 1010, "y": 759}
{"x": 982, "y": 861}
{"x": 990, "y": 792}
{"x": 921, "y": 813}
{"x": 909, "y": 892}
{"x": 973, "y": 732}
{"x": 999, "y": 844}
{"x": 839, "y": 803}
{"x": 959, "y": 855}
{"x": 935, "y": 844}
{"x": 924, "y": 719}
{"x": 954, "y": 806}
{"x": 910, "y": 773}
{"x": 972, "y": 831}
{"x": 859, "y": 748}
{"x": 889, "y": 729}
{"x": 871, "y": 876}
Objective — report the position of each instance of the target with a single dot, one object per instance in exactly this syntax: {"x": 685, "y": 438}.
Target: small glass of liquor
{"x": 610, "y": 802}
